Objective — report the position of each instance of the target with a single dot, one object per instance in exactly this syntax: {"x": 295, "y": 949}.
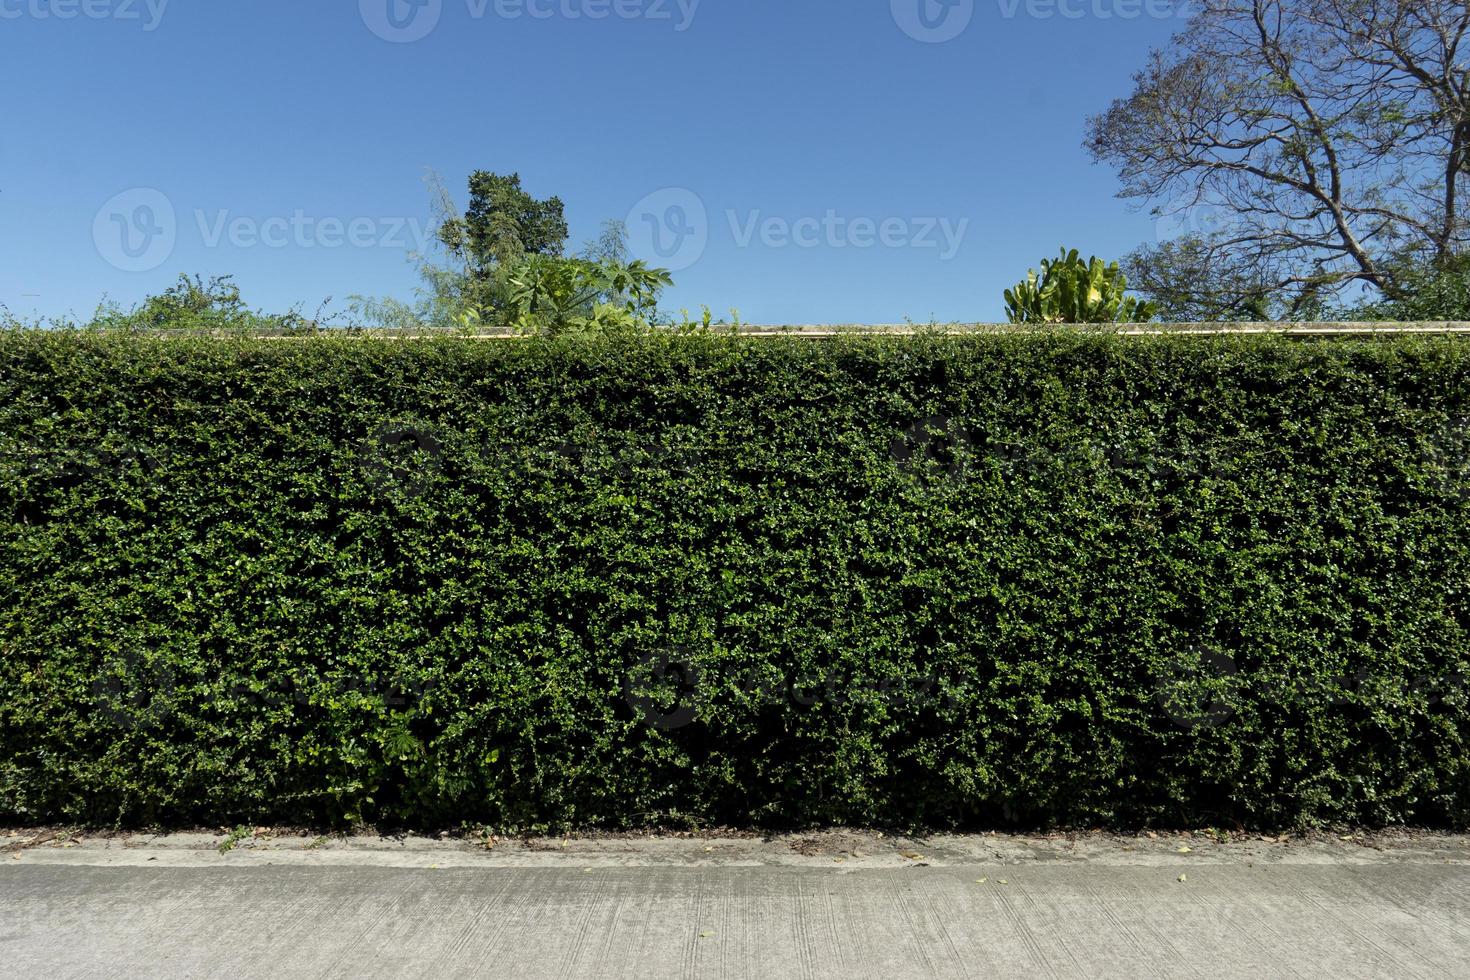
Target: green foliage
{"x": 611, "y": 244}
{"x": 1191, "y": 280}
{"x": 450, "y": 295}
{"x": 503, "y": 267}
{"x": 1072, "y": 291}
{"x": 196, "y": 304}
{"x": 1434, "y": 291}
{"x": 1033, "y": 578}
{"x": 554, "y": 295}
{"x": 503, "y": 223}
{"x": 685, "y": 324}
{"x": 502, "y": 226}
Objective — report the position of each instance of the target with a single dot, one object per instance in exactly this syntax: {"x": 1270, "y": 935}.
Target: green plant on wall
{"x": 1069, "y": 290}
{"x": 552, "y": 296}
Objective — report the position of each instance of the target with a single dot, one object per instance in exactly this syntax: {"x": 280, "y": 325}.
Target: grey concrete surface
{"x": 834, "y": 905}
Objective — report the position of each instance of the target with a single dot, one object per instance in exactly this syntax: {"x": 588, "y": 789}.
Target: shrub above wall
{"x": 970, "y": 581}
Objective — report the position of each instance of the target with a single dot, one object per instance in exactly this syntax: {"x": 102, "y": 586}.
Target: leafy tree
{"x": 1440, "y": 291}
{"x": 611, "y": 244}
{"x": 503, "y": 266}
{"x": 503, "y": 224}
{"x": 449, "y": 296}
{"x": 1334, "y": 133}
{"x": 1069, "y": 290}
{"x": 1190, "y": 281}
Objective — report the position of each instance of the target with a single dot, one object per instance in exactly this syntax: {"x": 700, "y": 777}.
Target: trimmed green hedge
{"x": 1046, "y": 578}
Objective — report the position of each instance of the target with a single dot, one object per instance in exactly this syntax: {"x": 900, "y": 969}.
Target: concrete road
{"x": 807, "y": 907}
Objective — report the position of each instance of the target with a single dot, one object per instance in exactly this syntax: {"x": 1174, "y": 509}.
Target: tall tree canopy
{"x": 503, "y": 223}
{"x": 509, "y": 269}
{"x": 502, "y": 226}
{"x": 1333, "y": 133}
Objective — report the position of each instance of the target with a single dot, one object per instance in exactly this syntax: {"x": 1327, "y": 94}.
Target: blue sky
{"x": 802, "y": 161}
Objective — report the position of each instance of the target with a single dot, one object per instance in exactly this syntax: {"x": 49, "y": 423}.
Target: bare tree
{"x": 1334, "y": 133}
